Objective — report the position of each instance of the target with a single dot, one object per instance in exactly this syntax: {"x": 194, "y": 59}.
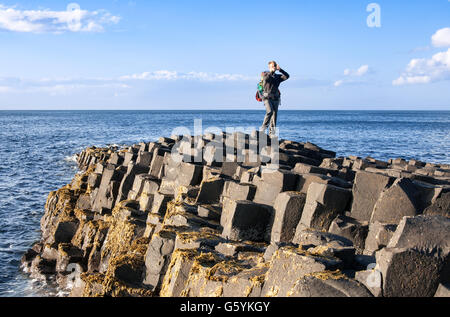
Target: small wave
{"x": 62, "y": 293}
{"x": 25, "y": 269}
{"x": 72, "y": 158}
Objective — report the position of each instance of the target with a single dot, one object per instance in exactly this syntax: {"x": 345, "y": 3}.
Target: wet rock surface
{"x": 245, "y": 215}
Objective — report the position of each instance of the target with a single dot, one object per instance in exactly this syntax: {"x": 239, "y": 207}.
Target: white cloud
{"x": 4, "y": 89}
{"x": 403, "y": 80}
{"x": 350, "y": 76}
{"x": 441, "y": 38}
{"x": 56, "y": 86}
{"x": 67, "y": 89}
{"x": 338, "y": 83}
{"x": 429, "y": 70}
{"x": 156, "y": 75}
{"x": 74, "y": 19}
{"x": 67, "y": 85}
{"x": 174, "y": 75}
{"x": 364, "y": 69}
{"x": 423, "y": 70}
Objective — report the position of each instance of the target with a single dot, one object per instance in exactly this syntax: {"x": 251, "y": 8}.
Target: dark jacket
{"x": 271, "y": 83}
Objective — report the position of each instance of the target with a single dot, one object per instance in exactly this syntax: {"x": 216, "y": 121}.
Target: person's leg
{"x": 268, "y": 116}
{"x": 273, "y": 121}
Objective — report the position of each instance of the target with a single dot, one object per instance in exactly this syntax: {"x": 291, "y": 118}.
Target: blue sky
{"x": 170, "y": 54}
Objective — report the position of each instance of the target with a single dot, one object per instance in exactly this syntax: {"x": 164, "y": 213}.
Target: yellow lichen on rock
{"x": 327, "y": 275}
{"x": 223, "y": 270}
{"x": 191, "y": 236}
{"x": 120, "y": 237}
{"x": 273, "y": 291}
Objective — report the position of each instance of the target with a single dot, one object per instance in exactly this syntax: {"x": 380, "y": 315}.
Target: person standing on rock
{"x": 271, "y": 95}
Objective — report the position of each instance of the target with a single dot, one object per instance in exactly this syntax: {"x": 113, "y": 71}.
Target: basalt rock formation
{"x": 245, "y": 215}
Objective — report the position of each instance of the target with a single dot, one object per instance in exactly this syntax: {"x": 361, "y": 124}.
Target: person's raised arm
{"x": 284, "y": 76}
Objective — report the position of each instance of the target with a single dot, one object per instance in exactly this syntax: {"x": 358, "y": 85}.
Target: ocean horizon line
{"x": 222, "y": 110}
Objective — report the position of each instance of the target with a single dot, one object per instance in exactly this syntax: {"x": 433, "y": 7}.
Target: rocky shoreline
{"x": 269, "y": 217}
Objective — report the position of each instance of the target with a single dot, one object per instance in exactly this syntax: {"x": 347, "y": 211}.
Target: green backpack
{"x": 260, "y": 91}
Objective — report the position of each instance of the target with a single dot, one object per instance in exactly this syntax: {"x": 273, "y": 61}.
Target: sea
{"x": 37, "y": 151}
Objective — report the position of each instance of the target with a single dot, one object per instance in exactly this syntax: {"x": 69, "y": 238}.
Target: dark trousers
{"x": 271, "y": 115}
